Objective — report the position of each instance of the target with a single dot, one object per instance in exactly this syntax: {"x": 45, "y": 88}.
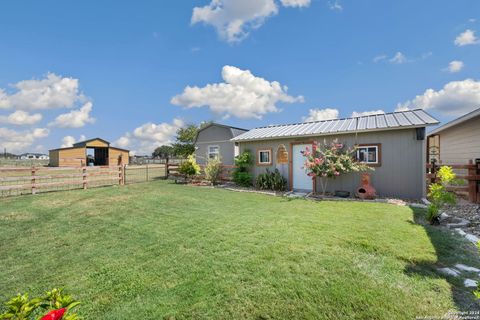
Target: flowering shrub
{"x": 330, "y": 161}
{"x": 213, "y": 171}
{"x": 438, "y": 194}
{"x": 53, "y": 306}
{"x": 189, "y": 167}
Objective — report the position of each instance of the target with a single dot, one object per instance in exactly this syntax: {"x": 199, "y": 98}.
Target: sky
{"x": 133, "y": 72}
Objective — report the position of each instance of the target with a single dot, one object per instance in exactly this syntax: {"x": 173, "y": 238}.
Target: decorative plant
{"x": 213, "y": 170}
{"x": 438, "y": 194}
{"x": 53, "y": 306}
{"x": 271, "y": 181}
{"x": 241, "y": 174}
{"x": 189, "y": 167}
{"x": 328, "y": 161}
{"x": 476, "y": 292}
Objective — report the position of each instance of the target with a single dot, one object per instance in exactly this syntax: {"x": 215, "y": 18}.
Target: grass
{"x": 158, "y": 250}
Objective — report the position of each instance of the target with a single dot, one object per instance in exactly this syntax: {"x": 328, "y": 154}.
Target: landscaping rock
{"x": 467, "y": 211}
{"x": 466, "y": 268}
{"x": 459, "y": 223}
{"x": 450, "y": 272}
{"x": 460, "y": 232}
{"x": 469, "y": 283}
{"x": 443, "y": 216}
{"x": 472, "y": 238}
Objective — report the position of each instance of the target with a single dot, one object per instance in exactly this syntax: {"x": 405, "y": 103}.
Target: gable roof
{"x": 84, "y": 143}
{"x": 234, "y": 130}
{"x": 457, "y": 121}
{"x": 379, "y": 122}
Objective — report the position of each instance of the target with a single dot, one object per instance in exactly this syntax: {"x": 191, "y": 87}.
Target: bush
{"x": 241, "y": 175}
{"x": 271, "y": 181}
{"x": 189, "y": 167}
{"x": 213, "y": 170}
{"x": 438, "y": 194}
{"x": 55, "y": 305}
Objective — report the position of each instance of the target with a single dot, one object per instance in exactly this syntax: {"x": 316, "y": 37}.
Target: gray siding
{"x": 401, "y": 173}
{"x": 461, "y": 142}
{"x": 215, "y": 136}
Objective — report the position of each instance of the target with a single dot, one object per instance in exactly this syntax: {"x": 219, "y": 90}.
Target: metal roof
{"x": 377, "y": 122}
{"x": 460, "y": 120}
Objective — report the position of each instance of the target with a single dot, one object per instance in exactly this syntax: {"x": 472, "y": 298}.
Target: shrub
{"x": 55, "y": 305}
{"x": 241, "y": 175}
{"x": 330, "y": 161}
{"x": 213, "y": 170}
{"x": 271, "y": 181}
{"x": 189, "y": 167}
{"x": 438, "y": 194}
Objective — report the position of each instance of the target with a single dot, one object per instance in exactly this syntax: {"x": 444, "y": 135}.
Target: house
{"x": 392, "y": 143}
{"x": 93, "y": 152}
{"x": 33, "y": 156}
{"x": 456, "y": 142}
{"x": 214, "y": 141}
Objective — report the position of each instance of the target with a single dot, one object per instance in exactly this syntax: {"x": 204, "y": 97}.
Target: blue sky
{"x": 118, "y": 70}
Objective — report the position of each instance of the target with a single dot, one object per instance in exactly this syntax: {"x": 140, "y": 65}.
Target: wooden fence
{"x": 18, "y": 181}
{"x": 472, "y": 187}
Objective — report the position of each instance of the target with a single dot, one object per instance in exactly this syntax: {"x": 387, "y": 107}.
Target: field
{"x": 163, "y": 251}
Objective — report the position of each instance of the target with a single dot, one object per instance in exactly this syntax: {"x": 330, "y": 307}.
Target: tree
{"x": 163, "y": 152}
{"x": 330, "y": 161}
{"x": 185, "y": 141}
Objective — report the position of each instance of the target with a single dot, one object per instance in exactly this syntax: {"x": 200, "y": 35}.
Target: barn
{"x": 92, "y": 152}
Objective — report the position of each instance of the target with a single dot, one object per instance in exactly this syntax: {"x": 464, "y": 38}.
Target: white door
{"x": 301, "y": 181}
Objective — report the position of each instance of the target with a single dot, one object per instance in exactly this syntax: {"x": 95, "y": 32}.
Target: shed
{"x": 213, "y": 141}
{"x": 457, "y": 141}
{"x": 92, "y": 152}
{"x": 392, "y": 143}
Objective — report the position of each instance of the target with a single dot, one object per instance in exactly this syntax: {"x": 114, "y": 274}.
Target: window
{"x": 213, "y": 152}
{"x": 264, "y": 157}
{"x": 369, "y": 154}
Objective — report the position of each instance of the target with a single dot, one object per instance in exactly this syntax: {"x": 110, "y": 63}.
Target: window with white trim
{"x": 213, "y": 152}
{"x": 265, "y": 156}
{"x": 368, "y": 154}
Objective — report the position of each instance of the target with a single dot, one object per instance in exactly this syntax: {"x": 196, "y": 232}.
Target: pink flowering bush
{"x": 330, "y": 161}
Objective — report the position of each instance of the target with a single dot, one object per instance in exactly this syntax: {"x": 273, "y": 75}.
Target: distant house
{"x": 214, "y": 141}
{"x": 456, "y": 142}
{"x": 33, "y": 156}
{"x": 392, "y": 143}
{"x": 93, "y": 152}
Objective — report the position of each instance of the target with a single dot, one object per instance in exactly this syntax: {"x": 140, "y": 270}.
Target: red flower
{"x": 54, "y": 314}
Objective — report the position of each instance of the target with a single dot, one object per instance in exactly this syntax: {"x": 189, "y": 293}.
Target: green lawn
{"x": 158, "y": 250}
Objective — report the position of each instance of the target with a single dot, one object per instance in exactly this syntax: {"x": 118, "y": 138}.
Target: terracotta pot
{"x": 366, "y": 190}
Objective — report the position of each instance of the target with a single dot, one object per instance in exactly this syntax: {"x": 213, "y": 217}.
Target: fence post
{"x": 146, "y": 173}
{"x": 472, "y": 184}
{"x": 166, "y": 168}
{"x": 124, "y": 174}
{"x": 120, "y": 175}
{"x": 34, "y": 187}
{"x": 84, "y": 177}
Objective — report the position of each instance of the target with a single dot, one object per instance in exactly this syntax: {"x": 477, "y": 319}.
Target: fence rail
{"x": 472, "y": 188}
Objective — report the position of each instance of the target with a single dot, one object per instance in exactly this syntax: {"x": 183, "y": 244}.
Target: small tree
{"x": 213, "y": 170}
{"x": 189, "y": 167}
{"x": 330, "y": 161}
{"x": 438, "y": 194}
{"x": 241, "y": 174}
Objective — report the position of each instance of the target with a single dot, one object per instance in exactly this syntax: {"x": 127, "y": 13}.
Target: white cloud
{"x": 398, "y": 58}
{"x": 379, "y": 58}
{"x": 242, "y": 95}
{"x": 367, "y": 113}
{"x": 19, "y": 141}
{"x": 144, "y": 139}
{"x": 466, "y": 38}
{"x": 75, "y": 118}
{"x": 454, "y": 99}
{"x": 455, "y": 66}
{"x": 321, "y": 114}
{"x": 234, "y": 19}
{"x": 68, "y": 141}
{"x": 295, "y": 3}
{"x": 49, "y": 93}
{"x": 336, "y": 6}
{"x": 20, "y": 118}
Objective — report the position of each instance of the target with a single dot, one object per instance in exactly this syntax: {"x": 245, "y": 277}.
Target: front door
{"x": 301, "y": 181}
